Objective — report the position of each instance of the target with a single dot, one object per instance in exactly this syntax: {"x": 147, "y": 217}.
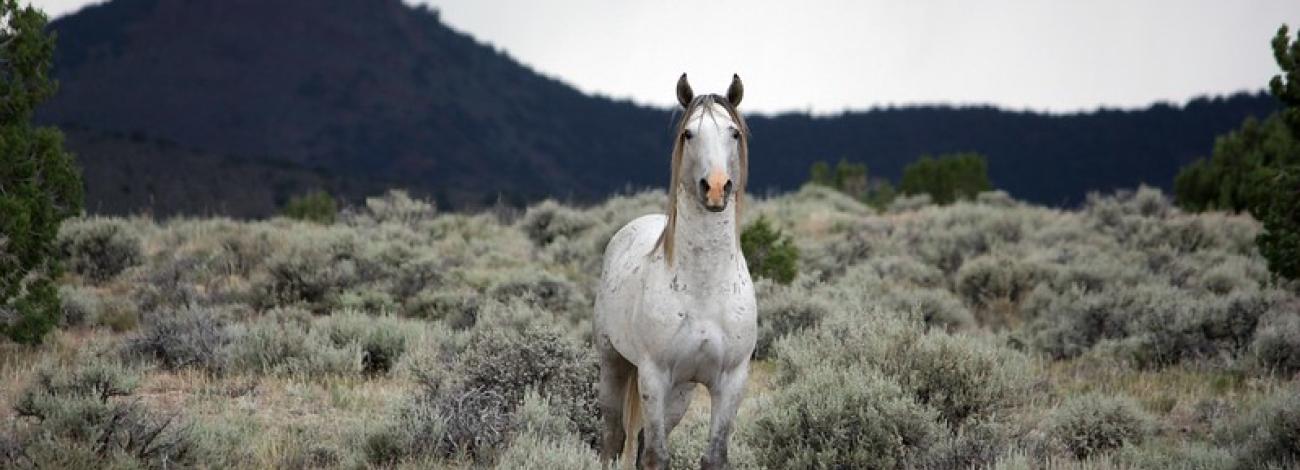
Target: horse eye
{"x": 687, "y": 134}
{"x": 735, "y": 134}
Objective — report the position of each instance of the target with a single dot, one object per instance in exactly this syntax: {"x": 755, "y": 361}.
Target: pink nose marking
{"x": 717, "y": 180}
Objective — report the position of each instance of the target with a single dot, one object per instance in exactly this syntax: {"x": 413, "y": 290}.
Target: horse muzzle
{"x": 715, "y": 190}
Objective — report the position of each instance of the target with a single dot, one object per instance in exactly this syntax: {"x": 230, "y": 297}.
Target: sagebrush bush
{"x": 831, "y": 417}
{"x": 909, "y": 203}
{"x": 79, "y": 305}
{"x": 545, "y": 439}
{"x": 690, "y": 439}
{"x": 74, "y": 414}
{"x": 982, "y": 280}
{"x": 1170, "y": 331}
{"x": 457, "y": 308}
{"x": 539, "y": 288}
{"x": 395, "y": 206}
{"x": 549, "y": 221}
{"x": 382, "y": 339}
{"x": 187, "y": 337}
{"x": 935, "y": 307}
{"x": 1269, "y": 435}
{"x": 903, "y": 270}
{"x": 1276, "y": 347}
{"x": 314, "y": 265}
{"x": 1092, "y": 424}
{"x": 99, "y": 248}
{"x": 283, "y": 342}
{"x": 1069, "y": 323}
{"x": 469, "y": 410}
{"x": 783, "y": 310}
{"x": 558, "y": 368}
{"x": 960, "y": 376}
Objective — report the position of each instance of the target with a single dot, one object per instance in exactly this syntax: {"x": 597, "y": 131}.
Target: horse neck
{"x": 705, "y": 242}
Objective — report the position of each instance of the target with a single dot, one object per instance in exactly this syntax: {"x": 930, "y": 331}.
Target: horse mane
{"x": 706, "y": 102}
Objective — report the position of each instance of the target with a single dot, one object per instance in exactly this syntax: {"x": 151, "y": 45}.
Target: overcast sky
{"x": 828, "y": 56}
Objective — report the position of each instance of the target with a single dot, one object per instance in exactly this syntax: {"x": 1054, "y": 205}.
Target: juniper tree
{"x": 39, "y": 183}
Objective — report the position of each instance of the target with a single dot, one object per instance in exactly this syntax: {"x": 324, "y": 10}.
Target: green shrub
{"x": 947, "y": 178}
{"x": 316, "y": 206}
{"x": 1257, "y": 168}
{"x": 1280, "y": 241}
{"x": 99, "y": 248}
{"x": 1093, "y": 424}
{"x": 42, "y": 185}
{"x": 769, "y": 253}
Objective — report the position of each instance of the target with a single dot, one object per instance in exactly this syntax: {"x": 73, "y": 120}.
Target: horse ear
{"x": 736, "y": 91}
{"x": 684, "y": 93}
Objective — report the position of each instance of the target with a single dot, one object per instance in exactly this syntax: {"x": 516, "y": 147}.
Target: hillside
{"x": 379, "y": 92}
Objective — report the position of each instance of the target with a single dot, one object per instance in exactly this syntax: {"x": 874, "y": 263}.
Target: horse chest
{"x": 710, "y": 323}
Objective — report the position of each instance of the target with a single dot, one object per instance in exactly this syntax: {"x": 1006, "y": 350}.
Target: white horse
{"x": 676, "y": 304}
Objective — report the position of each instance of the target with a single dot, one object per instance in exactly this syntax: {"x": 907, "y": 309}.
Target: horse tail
{"x": 631, "y": 420}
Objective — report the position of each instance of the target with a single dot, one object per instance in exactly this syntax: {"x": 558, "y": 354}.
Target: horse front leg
{"x": 656, "y": 387}
{"x": 725, "y": 396}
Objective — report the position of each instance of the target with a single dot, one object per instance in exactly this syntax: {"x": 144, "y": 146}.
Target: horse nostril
{"x": 704, "y": 186}
{"x": 726, "y": 188}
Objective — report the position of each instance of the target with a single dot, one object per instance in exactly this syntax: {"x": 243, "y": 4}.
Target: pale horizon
{"x": 831, "y": 57}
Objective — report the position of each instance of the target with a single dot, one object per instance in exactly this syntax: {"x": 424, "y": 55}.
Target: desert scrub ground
{"x": 987, "y": 334}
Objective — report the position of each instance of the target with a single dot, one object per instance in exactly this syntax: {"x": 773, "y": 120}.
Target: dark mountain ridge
{"x": 366, "y": 94}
